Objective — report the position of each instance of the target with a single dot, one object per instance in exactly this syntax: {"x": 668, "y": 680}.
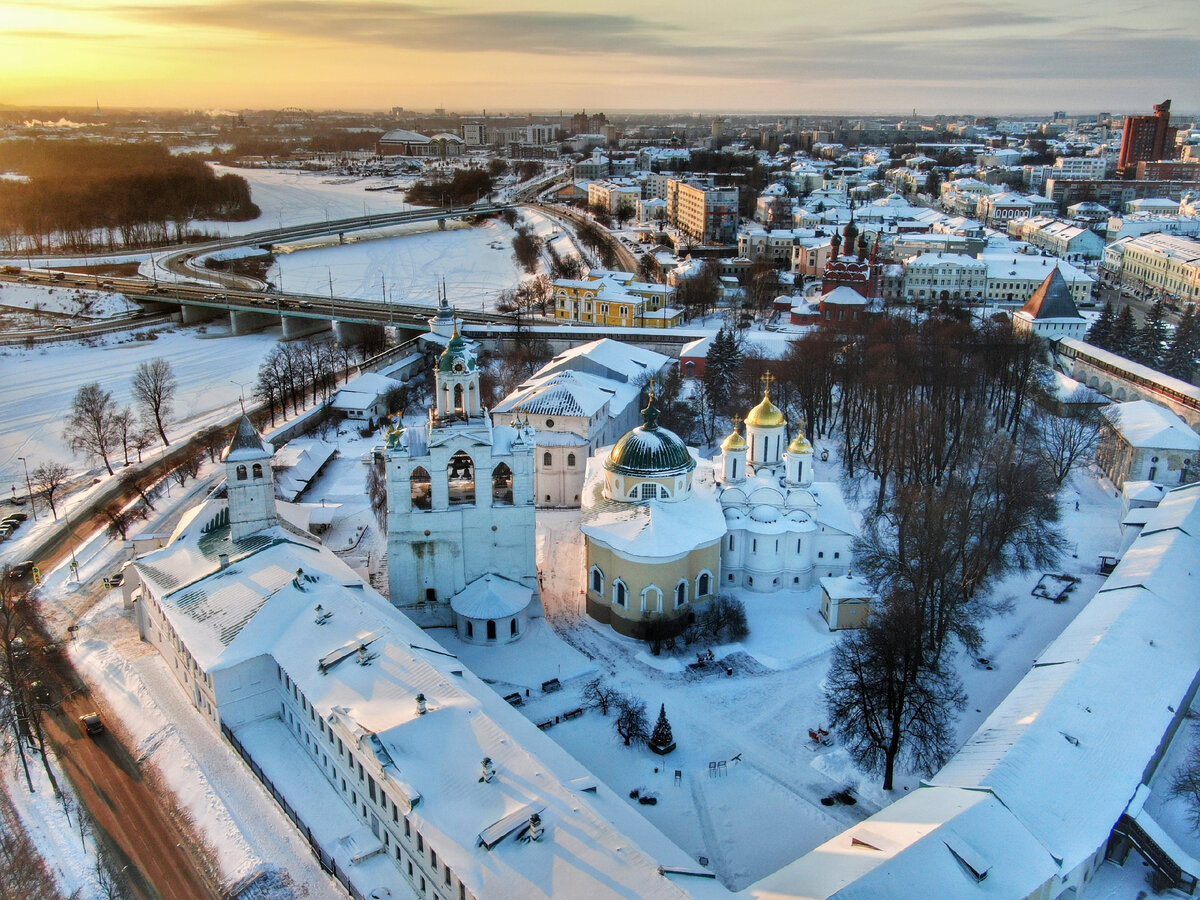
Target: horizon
{"x": 882, "y": 58}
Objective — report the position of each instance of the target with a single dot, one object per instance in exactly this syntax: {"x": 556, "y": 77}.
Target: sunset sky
{"x": 704, "y": 55}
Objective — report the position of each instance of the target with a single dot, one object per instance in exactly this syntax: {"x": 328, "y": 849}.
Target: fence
{"x": 326, "y": 860}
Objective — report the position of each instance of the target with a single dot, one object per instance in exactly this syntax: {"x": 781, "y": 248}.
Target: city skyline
{"x": 807, "y": 58}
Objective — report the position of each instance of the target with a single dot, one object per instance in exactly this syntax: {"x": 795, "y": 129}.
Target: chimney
{"x": 223, "y": 559}
{"x": 421, "y": 710}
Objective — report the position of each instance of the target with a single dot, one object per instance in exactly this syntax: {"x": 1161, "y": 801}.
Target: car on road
{"x": 61, "y": 328}
{"x": 21, "y": 569}
{"x": 90, "y": 722}
{"x": 17, "y": 516}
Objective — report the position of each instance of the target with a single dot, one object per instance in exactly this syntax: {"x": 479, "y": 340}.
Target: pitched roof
{"x": 1052, "y": 299}
{"x": 247, "y": 443}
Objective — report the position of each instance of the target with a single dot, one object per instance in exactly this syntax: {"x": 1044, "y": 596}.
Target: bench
{"x": 549, "y": 687}
{"x": 514, "y": 698}
{"x": 575, "y": 713}
{"x": 545, "y": 725}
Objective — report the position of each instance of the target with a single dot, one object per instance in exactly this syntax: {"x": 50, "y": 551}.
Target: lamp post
{"x": 29, "y": 487}
{"x": 241, "y": 393}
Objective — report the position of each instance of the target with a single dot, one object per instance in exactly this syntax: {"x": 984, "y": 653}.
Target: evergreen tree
{"x": 1100, "y": 334}
{"x": 1152, "y": 335}
{"x": 720, "y": 371}
{"x": 1180, "y": 358}
{"x": 1123, "y": 339}
{"x": 662, "y": 737}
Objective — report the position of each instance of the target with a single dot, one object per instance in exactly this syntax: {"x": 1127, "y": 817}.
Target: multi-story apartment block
{"x": 706, "y": 213}
{"x": 1165, "y": 263}
{"x": 612, "y": 195}
{"x": 1066, "y": 240}
{"x": 615, "y": 298}
{"x": 475, "y": 134}
{"x": 1146, "y": 139}
{"x": 933, "y": 277}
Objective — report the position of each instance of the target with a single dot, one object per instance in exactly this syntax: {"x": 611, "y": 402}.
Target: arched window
{"x": 241, "y": 473}
{"x": 512, "y": 627}
{"x": 620, "y": 594}
{"x": 570, "y": 460}
{"x": 461, "y": 475}
{"x": 597, "y": 581}
{"x": 652, "y": 600}
{"x": 420, "y": 488}
{"x": 649, "y": 490}
{"x": 689, "y": 368}
{"x": 256, "y": 471}
{"x": 703, "y": 584}
{"x": 491, "y": 629}
{"x": 470, "y": 629}
{"x": 502, "y": 485}
{"x": 547, "y": 461}
{"x": 460, "y": 409}
{"x": 681, "y": 594}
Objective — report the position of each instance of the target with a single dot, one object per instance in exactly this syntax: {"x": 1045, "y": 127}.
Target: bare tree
{"x": 377, "y": 490}
{"x": 1185, "y": 783}
{"x": 90, "y": 429}
{"x": 632, "y": 723}
{"x": 141, "y": 440}
{"x": 725, "y": 619}
{"x": 597, "y": 694}
{"x": 125, "y": 428}
{"x": 153, "y": 390}
{"x": 885, "y": 704}
{"x": 1066, "y": 442}
{"x": 48, "y": 478}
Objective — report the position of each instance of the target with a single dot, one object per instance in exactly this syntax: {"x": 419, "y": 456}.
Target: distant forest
{"x": 86, "y": 196}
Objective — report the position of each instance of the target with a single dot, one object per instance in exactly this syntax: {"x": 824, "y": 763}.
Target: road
{"x": 138, "y": 824}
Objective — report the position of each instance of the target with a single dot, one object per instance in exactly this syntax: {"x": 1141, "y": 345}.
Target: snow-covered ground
{"x": 475, "y": 261}
{"x": 41, "y": 382}
{"x": 49, "y": 305}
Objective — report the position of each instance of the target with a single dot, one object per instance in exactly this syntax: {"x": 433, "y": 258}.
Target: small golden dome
{"x": 799, "y": 444}
{"x": 735, "y": 441}
{"x": 766, "y": 414}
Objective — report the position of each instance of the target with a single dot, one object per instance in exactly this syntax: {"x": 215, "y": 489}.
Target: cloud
{"x": 406, "y": 26}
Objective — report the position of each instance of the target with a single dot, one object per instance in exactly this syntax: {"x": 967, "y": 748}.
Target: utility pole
{"x": 29, "y": 487}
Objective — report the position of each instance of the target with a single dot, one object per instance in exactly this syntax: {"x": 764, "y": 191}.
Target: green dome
{"x": 457, "y": 357}
{"x": 649, "y": 451}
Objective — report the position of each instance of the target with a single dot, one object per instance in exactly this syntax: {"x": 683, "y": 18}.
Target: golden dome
{"x": 799, "y": 444}
{"x": 735, "y": 441}
{"x": 766, "y": 414}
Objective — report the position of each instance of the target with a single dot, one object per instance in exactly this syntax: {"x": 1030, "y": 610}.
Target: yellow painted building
{"x": 615, "y": 299}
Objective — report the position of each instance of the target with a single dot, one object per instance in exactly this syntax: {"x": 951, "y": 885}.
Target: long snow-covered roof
{"x": 1146, "y": 424}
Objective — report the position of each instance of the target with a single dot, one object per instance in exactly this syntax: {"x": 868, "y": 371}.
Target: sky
{"x": 794, "y": 56}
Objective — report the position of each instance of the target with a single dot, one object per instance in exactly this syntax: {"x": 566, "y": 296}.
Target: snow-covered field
{"x": 475, "y": 261}
{"x": 41, "y": 382}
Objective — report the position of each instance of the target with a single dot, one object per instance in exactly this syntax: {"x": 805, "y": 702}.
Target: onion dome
{"x": 457, "y": 357}
{"x": 649, "y": 451}
{"x": 799, "y": 443}
{"x": 766, "y": 414}
{"x": 735, "y": 441}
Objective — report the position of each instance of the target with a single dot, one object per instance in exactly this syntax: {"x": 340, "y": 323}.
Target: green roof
{"x": 649, "y": 451}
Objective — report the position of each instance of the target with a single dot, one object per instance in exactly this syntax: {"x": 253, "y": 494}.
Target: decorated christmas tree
{"x": 662, "y": 741}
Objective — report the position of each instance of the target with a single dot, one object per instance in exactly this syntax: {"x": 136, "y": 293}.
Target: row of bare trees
{"x": 296, "y": 371}
{"x": 98, "y": 428}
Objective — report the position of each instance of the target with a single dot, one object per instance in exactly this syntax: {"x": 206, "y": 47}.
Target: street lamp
{"x": 70, "y": 537}
{"x": 29, "y": 487}
{"x": 241, "y": 393}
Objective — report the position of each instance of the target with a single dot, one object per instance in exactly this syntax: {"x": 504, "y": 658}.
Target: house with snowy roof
{"x": 1143, "y": 441}
{"x": 364, "y": 398}
{"x": 402, "y": 142}
{"x": 583, "y": 399}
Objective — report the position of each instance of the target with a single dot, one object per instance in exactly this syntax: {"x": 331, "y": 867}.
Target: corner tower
{"x": 250, "y": 482}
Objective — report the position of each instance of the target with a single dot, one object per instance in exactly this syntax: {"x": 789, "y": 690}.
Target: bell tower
{"x": 250, "y": 482}
{"x": 457, "y": 382}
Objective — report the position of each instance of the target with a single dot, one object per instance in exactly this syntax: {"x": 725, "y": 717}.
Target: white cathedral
{"x": 664, "y": 530}
{"x": 460, "y": 512}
